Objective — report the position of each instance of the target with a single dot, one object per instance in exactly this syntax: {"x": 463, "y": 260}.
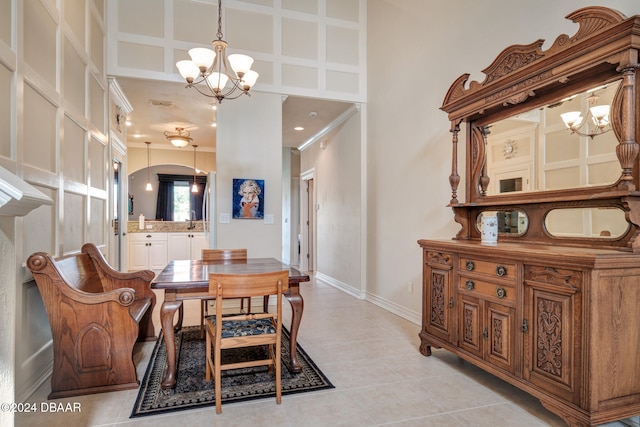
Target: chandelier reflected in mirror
{"x": 576, "y": 122}
{"x": 212, "y": 74}
{"x": 180, "y": 138}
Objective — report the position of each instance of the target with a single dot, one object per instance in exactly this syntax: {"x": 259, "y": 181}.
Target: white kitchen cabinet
{"x": 147, "y": 251}
{"x": 186, "y": 245}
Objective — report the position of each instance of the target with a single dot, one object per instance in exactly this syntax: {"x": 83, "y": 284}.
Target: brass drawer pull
{"x": 470, "y": 265}
{"x": 525, "y": 326}
{"x": 485, "y": 332}
{"x": 501, "y": 270}
{"x": 451, "y": 302}
{"x": 501, "y": 292}
{"x": 469, "y": 285}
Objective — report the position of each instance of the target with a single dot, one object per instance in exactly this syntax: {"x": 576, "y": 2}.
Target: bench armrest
{"x": 114, "y": 279}
{"x": 140, "y": 281}
{"x": 114, "y": 276}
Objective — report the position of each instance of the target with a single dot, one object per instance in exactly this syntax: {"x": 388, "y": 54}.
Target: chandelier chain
{"x": 219, "y": 34}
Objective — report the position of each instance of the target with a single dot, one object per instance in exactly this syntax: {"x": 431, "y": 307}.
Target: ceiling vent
{"x": 161, "y": 103}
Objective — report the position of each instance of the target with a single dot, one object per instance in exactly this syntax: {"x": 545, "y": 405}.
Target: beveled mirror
{"x": 536, "y": 150}
{"x": 553, "y": 133}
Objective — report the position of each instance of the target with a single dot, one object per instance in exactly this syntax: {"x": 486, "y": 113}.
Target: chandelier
{"x": 209, "y": 71}
{"x": 575, "y": 121}
{"x": 180, "y": 138}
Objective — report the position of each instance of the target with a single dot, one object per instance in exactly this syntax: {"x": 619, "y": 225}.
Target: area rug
{"x": 192, "y": 391}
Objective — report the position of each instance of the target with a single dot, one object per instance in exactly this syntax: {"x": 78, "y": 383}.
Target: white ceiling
{"x": 160, "y": 106}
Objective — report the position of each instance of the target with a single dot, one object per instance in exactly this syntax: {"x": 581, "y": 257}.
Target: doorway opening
{"x": 307, "y": 217}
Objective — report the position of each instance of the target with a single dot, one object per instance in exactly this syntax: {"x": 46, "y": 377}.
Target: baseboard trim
{"x": 344, "y": 287}
{"x": 411, "y": 316}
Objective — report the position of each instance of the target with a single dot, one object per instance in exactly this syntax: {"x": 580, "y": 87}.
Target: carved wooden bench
{"x": 96, "y": 316}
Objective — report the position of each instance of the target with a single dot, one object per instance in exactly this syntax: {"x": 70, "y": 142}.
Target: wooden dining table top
{"x": 195, "y": 273}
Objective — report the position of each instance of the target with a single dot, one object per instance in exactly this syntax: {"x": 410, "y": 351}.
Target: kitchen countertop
{"x": 165, "y": 227}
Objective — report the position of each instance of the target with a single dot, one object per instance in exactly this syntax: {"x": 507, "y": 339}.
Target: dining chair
{"x": 244, "y": 330}
{"x": 230, "y": 255}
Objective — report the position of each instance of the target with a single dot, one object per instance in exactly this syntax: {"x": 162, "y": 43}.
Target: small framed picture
{"x": 248, "y": 198}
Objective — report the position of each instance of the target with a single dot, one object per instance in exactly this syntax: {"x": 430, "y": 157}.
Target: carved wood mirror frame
{"x": 522, "y": 77}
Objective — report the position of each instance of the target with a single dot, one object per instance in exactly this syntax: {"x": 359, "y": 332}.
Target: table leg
{"x": 297, "y": 305}
{"x": 167, "y": 312}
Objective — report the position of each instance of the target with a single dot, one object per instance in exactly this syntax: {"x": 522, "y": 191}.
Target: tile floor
{"x": 372, "y": 358}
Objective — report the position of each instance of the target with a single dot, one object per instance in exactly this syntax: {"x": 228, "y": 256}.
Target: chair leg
{"x": 248, "y": 305}
{"x": 218, "y": 380}
{"x": 278, "y": 375}
{"x": 207, "y": 376}
{"x": 204, "y": 311}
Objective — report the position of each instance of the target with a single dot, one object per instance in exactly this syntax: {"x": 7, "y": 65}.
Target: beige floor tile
{"x": 504, "y": 414}
{"x": 372, "y": 358}
{"x": 335, "y": 408}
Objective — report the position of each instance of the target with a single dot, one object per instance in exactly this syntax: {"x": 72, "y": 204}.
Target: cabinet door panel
{"x": 138, "y": 255}
{"x": 552, "y": 350}
{"x": 436, "y": 299}
{"x": 179, "y": 246}
{"x": 158, "y": 255}
{"x": 470, "y": 324}
{"x": 198, "y": 243}
{"x": 500, "y": 342}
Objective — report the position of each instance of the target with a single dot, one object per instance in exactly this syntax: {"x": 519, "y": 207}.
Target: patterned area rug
{"x": 192, "y": 391}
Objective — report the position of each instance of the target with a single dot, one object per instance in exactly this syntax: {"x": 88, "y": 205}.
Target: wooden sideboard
{"x": 553, "y": 307}
{"x": 560, "y": 323}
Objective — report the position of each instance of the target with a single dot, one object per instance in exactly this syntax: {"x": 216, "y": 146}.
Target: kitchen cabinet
{"x": 147, "y": 251}
{"x": 186, "y": 245}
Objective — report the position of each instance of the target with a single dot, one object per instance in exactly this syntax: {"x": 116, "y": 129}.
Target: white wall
{"x": 416, "y": 49}
{"x": 249, "y": 145}
{"x": 338, "y": 192}
{"x": 55, "y": 127}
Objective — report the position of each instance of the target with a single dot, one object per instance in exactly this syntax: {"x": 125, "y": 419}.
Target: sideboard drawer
{"x": 439, "y": 259}
{"x": 483, "y": 289}
{"x": 488, "y": 268}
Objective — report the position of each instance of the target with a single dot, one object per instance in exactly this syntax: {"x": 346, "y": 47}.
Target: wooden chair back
{"x": 223, "y": 286}
{"x": 247, "y": 285}
{"x": 224, "y": 254}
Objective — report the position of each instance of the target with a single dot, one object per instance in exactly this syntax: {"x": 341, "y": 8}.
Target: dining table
{"x": 189, "y": 279}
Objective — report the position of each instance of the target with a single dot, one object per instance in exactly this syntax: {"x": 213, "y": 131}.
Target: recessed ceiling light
{"x": 298, "y": 128}
{"x": 137, "y": 135}
{"x": 213, "y": 106}
{"x": 214, "y": 124}
{"x": 128, "y": 123}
